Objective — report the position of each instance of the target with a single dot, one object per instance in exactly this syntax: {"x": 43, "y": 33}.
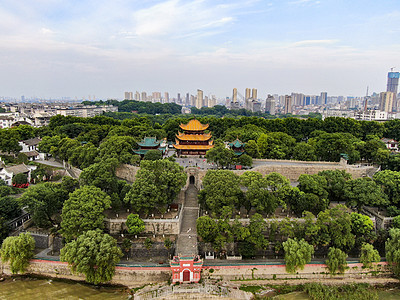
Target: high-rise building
{"x": 270, "y": 105}
{"x": 179, "y": 100}
{"x": 393, "y": 82}
{"x": 234, "y": 95}
{"x": 323, "y": 99}
{"x": 137, "y": 96}
{"x": 166, "y": 97}
{"x": 192, "y": 100}
{"x": 144, "y": 96}
{"x": 128, "y": 95}
{"x": 206, "y": 102}
{"x": 248, "y": 91}
{"x": 187, "y": 99}
{"x": 386, "y": 101}
{"x": 254, "y": 94}
{"x": 288, "y": 105}
{"x": 199, "y": 100}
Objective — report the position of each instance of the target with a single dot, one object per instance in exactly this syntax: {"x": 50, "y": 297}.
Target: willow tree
{"x": 93, "y": 254}
{"x": 18, "y": 250}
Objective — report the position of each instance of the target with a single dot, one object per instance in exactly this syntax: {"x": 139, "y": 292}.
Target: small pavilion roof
{"x": 149, "y": 142}
{"x": 194, "y": 125}
{"x": 237, "y": 144}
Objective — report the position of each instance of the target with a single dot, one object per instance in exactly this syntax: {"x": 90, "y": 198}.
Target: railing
{"x": 195, "y": 291}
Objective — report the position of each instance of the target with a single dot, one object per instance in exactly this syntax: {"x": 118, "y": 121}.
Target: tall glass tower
{"x": 393, "y": 82}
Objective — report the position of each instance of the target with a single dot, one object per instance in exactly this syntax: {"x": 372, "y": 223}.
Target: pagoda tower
{"x": 193, "y": 140}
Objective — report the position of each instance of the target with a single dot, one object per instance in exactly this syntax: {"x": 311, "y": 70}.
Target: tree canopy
{"x": 18, "y": 250}
{"x": 83, "y": 211}
{"x": 93, "y": 254}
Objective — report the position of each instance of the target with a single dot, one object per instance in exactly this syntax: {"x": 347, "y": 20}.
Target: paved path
{"x": 187, "y": 239}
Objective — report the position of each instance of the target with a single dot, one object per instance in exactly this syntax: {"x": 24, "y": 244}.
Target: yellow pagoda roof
{"x": 193, "y": 125}
{"x": 194, "y": 137}
{"x": 193, "y": 147}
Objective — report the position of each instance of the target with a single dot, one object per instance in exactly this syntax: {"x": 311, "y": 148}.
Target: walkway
{"x": 187, "y": 239}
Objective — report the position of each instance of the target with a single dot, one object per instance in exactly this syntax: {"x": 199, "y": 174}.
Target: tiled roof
{"x": 193, "y": 147}
{"x": 149, "y": 142}
{"x": 17, "y": 169}
{"x": 31, "y": 153}
{"x": 32, "y": 142}
{"x": 193, "y": 137}
{"x": 237, "y": 144}
{"x": 194, "y": 125}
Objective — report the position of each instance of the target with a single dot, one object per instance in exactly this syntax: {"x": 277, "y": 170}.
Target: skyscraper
{"x": 288, "y": 104}
{"x": 166, "y": 97}
{"x": 137, "y": 96}
{"x": 128, "y": 96}
{"x": 254, "y": 94}
{"x": 393, "y": 82}
{"x": 270, "y": 105}
{"x": 323, "y": 98}
{"x": 199, "y": 100}
{"x": 386, "y": 101}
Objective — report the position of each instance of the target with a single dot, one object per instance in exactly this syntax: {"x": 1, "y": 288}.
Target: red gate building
{"x": 186, "y": 269}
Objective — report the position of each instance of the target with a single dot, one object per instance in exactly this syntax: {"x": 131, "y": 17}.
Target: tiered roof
{"x": 193, "y": 137}
{"x": 194, "y": 125}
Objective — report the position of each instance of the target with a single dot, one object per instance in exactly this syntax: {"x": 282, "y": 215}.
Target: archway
{"x": 186, "y": 276}
{"x": 191, "y": 179}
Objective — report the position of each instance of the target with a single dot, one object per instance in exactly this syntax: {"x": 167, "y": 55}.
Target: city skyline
{"x": 52, "y": 49}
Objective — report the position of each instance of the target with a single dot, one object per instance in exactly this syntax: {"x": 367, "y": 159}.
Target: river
{"x": 44, "y": 289}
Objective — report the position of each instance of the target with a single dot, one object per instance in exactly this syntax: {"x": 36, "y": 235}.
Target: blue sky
{"x": 54, "y": 48}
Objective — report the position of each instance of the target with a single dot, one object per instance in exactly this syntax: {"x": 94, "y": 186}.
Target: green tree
{"x": 119, "y": 147}
{"x": 18, "y": 250}
{"x": 20, "y": 178}
{"x": 220, "y": 155}
{"x": 256, "y": 228}
{"x": 393, "y": 250}
{"x": 207, "y": 228}
{"x": 363, "y": 228}
{"x": 336, "y": 261}
{"x": 369, "y": 255}
{"x": 275, "y": 145}
{"x": 390, "y": 183}
{"x": 135, "y": 224}
{"x": 83, "y": 211}
{"x": 93, "y": 254}
{"x": 297, "y": 254}
{"x": 43, "y": 201}
{"x": 245, "y": 160}
{"x": 153, "y": 155}
{"x": 363, "y": 191}
{"x": 335, "y": 181}
{"x": 304, "y": 151}
{"x": 157, "y": 184}
{"x": 315, "y": 197}
{"x": 251, "y": 149}
{"x": 102, "y": 175}
{"x": 221, "y": 188}
{"x": 9, "y": 208}
{"x": 335, "y": 228}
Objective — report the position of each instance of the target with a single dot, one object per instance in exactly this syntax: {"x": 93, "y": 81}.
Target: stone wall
{"x": 230, "y": 271}
{"x": 126, "y": 172}
{"x": 134, "y": 276}
{"x": 152, "y": 226}
{"x": 124, "y": 275}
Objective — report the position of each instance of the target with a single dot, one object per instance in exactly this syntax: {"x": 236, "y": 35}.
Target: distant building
{"x": 128, "y": 96}
{"x": 323, "y": 99}
{"x": 137, "y": 96}
{"x": 199, "y": 100}
{"x": 86, "y": 111}
{"x": 386, "y": 101}
{"x": 270, "y": 105}
{"x": 288, "y": 105}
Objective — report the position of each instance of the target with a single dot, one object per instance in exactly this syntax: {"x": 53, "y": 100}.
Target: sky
{"x": 77, "y": 48}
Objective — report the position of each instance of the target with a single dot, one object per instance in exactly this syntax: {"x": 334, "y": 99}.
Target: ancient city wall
{"x": 289, "y": 168}
{"x": 133, "y": 276}
{"x": 277, "y": 271}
